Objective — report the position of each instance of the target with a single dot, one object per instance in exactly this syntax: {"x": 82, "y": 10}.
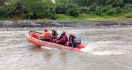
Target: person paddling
{"x": 63, "y": 38}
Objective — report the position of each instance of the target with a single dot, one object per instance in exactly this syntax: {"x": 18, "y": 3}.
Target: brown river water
{"x": 108, "y": 48}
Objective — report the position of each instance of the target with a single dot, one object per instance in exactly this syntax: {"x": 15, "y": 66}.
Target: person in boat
{"x": 63, "y": 38}
{"x": 54, "y": 35}
{"x": 33, "y": 34}
{"x": 73, "y": 42}
{"x": 46, "y": 35}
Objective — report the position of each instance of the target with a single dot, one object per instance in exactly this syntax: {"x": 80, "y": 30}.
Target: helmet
{"x": 45, "y": 30}
{"x": 70, "y": 34}
{"x": 52, "y": 29}
{"x": 64, "y": 32}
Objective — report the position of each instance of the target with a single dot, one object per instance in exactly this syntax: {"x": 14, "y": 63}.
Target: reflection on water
{"x": 107, "y": 49}
{"x": 63, "y": 57}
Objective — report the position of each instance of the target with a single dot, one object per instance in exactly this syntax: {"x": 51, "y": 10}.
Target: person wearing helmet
{"x": 33, "y": 34}
{"x": 54, "y": 35}
{"x": 46, "y": 35}
{"x": 71, "y": 40}
{"x": 63, "y": 38}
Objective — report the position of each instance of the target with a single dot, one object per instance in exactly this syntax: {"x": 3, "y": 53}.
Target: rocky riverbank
{"x": 57, "y": 23}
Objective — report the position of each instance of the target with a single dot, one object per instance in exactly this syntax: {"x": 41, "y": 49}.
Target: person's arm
{"x": 75, "y": 37}
{"x": 60, "y": 37}
{"x": 56, "y": 34}
{"x": 73, "y": 40}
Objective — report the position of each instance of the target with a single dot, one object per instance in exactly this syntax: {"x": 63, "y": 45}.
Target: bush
{"x": 111, "y": 12}
{"x": 61, "y": 8}
{"x": 73, "y": 10}
{"x": 107, "y": 11}
{"x": 85, "y": 10}
{"x": 68, "y": 8}
{"x": 5, "y": 11}
{"x": 92, "y": 9}
{"x": 29, "y": 8}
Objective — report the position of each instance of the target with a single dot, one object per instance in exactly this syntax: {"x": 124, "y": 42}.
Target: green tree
{"x": 67, "y": 7}
{"x": 73, "y": 10}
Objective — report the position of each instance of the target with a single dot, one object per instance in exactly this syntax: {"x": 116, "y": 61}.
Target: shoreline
{"x": 59, "y": 23}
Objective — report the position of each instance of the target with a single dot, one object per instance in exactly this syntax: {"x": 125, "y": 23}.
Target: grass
{"x": 86, "y": 17}
{"x": 92, "y": 17}
{"x": 65, "y": 17}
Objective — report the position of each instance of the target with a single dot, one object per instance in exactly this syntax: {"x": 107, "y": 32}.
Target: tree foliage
{"x": 102, "y": 7}
{"x": 29, "y": 8}
{"x": 47, "y": 9}
{"x": 66, "y": 7}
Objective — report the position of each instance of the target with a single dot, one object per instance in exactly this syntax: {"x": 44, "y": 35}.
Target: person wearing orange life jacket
{"x": 46, "y": 35}
{"x": 63, "y": 38}
{"x": 33, "y": 34}
{"x": 54, "y": 35}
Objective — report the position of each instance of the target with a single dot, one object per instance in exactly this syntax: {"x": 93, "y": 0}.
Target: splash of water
{"x": 108, "y": 52}
{"x": 97, "y": 49}
{"x": 49, "y": 48}
{"x": 89, "y": 48}
{"x": 45, "y": 47}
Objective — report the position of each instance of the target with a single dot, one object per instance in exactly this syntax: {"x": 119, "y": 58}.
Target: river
{"x": 108, "y": 48}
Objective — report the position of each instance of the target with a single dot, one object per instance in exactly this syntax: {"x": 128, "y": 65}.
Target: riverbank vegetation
{"x": 65, "y": 9}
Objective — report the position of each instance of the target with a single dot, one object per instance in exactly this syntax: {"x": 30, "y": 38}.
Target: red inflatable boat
{"x": 32, "y": 37}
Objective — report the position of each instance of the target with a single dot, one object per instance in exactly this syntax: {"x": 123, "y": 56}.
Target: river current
{"x": 108, "y": 48}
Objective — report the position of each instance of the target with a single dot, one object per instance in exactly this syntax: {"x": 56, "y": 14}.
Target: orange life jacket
{"x": 46, "y": 35}
{"x": 33, "y": 34}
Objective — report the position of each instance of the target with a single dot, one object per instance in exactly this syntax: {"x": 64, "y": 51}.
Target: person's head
{"x": 45, "y": 30}
{"x": 64, "y": 32}
{"x": 33, "y": 33}
{"x": 52, "y": 28}
{"x": 70, "y": 34}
